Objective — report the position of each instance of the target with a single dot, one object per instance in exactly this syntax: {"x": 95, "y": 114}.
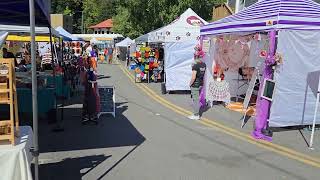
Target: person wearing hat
{"x": 196, "y": 83}
{"x": 128, "y": 56}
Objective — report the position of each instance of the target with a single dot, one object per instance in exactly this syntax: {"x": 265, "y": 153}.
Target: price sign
{"x": 107, "y": 100}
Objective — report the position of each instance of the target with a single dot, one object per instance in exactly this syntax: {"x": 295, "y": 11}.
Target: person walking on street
{"x": 110, "y": 52}
{"x": 196, "y": 83}
{"x": 106, "y": 54}
{"x": 128, "y": 56}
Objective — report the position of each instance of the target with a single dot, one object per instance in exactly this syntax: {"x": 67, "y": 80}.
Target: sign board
{"x": 268, "y": 89}
{"x": 206, "y": 45}
{"x": 107, "y": 100}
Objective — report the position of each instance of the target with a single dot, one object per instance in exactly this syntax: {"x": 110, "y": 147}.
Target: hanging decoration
{"x": 232, "y": 53}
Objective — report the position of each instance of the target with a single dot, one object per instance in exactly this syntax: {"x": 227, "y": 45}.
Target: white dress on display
{"x": 218, "y": 91}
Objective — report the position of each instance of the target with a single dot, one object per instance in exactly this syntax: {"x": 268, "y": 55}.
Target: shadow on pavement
{"x": 103, "y": 77}
{"x": 70, "y": 168}
{"x": 110, "y": 132}
{"x": 182, "y": 92}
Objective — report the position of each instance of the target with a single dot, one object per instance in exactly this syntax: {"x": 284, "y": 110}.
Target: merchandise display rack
{"x": 9, "y": 129}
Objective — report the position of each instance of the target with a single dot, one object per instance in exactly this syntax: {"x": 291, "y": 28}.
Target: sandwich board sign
{"x": 107, "y": 100}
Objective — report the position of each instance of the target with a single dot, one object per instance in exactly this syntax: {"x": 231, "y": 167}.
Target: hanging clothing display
{"x": 147, "y": 65}
{"x": 231, "y": 53}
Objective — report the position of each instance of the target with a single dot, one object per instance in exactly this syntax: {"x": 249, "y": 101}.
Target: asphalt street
{"x": 148, "y": 141}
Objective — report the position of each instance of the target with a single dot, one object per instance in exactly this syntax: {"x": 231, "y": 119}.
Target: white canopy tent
{"x": 142, "y": 38}
{"x": 125, "y": 43}
{"x": 179, "y": 38}
{"x": 147, "y": 37}
{"x": 184, "y": 28}
{"x": 66, "y": 35}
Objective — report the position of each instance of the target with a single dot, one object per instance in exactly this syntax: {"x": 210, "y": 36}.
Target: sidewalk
{"x": 294, "y": 139}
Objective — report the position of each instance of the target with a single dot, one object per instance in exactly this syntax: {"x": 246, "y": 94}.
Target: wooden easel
{"x": 8, "y": 96}
{"x": 252, "y": 84}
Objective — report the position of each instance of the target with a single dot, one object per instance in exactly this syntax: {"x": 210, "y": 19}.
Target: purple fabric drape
{"x": 263, "y": 105}
{"x": 202, "y": 99}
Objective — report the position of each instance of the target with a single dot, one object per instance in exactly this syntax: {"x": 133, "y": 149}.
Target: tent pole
{"x": 237, "y": 7}
{"x": 52, "y": 51}
{"x": 34, "y": 90}
{"x": 62, "y": 49}
{"x": 315, "y": 117}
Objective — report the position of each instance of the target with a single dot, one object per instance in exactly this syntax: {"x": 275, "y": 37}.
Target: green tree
{"x": 137, "y": 17}
{"x": 96, "y": 11}
{"x": 131, "y": 17}
{"x": 69, "y": 7}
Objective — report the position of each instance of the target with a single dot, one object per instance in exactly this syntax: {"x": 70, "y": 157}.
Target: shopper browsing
{"x": 7, "y": 54}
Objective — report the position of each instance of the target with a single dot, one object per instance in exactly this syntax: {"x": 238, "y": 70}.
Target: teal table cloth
{"x": 46, "y": 100}
{"x": 62, "y": 89}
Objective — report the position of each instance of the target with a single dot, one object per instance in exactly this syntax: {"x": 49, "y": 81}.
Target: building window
{"x": 108, "y": 32}
{"x": 102, "y": 32}
{"x": 96, "y": 32}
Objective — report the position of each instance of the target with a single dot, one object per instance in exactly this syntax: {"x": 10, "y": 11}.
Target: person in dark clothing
{"x": 128, "y": 56}
{"x": 196, "y": 83}
{"x": 7, "y": 54}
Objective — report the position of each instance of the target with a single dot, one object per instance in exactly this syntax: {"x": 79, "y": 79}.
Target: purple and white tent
{"x": 295, "y": 24}
{"x": 266, "y": 15}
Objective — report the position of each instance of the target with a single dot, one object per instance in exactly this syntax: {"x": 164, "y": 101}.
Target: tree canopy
{"x": 132, "y": 17}
{"x": 136, "y": 17}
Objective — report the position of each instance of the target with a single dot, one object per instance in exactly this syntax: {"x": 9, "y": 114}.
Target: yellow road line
{"x": 313, "y": 161}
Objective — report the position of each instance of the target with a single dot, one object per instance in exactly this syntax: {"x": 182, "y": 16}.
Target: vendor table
{"x": 62, "y": 89}
{"x": 46, "y": 100}
{"x": 15, "y": 160}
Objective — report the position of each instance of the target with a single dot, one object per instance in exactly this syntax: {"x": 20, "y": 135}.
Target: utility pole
{"x": 82, "y": 23}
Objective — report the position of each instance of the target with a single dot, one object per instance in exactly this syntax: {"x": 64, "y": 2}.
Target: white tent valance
{"x": 26, "y": 29}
